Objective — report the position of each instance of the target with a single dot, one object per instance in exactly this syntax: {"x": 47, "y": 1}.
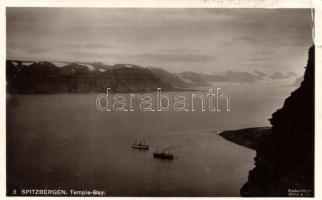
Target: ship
{"x": 140, "y": 145}
{"x": 165, "y": 155}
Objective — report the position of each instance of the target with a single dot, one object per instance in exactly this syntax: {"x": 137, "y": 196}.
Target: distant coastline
{"x": 45, "y": 77}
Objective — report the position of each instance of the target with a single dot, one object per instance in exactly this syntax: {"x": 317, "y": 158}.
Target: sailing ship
{"x": 165, "y": 155}
{"x": 140, "y": 145}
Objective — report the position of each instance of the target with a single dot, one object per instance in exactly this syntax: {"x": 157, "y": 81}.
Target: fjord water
{"x": 61, "y": 141}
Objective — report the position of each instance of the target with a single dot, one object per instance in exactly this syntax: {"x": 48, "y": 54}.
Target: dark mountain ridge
{"x": 45, "y": 77}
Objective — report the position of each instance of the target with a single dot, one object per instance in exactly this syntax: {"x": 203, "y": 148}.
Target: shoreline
{"x": 248, "y": 137}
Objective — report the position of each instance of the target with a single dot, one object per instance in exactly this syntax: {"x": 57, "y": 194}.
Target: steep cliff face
{"x": 285, "y": 159}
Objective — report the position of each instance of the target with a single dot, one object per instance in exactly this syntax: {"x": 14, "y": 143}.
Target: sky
{"x": 176, "y": 39}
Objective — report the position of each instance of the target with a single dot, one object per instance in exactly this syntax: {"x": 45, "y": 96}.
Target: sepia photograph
{"x": 160, "y": 102}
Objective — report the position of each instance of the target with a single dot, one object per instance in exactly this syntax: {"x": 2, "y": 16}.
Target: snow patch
{"x": 102, "y": 70}
{"x": 27, "y": 63}
{"x": 90, "y": 67}
{"x": 59, "y": 64}
{"x": 127, "y": 65}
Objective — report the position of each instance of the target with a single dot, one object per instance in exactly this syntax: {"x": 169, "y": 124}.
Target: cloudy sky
{"x": 201, "y": 40}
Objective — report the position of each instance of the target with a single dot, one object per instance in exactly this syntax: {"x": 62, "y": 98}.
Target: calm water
{"x": 62, "y": 142}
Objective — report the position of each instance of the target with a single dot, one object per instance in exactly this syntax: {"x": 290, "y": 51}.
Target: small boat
{"x": 140, "y": 145}
{"x": 165, "y": 155}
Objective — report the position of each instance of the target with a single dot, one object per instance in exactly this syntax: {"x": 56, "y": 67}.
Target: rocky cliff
{"x": 285, "y": 158}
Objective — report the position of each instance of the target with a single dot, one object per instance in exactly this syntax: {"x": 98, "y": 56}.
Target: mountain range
{"x": 31, "y": 77}
{"x": 45, "y": 77}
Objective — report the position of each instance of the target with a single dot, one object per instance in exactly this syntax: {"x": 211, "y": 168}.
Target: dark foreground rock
{"x": 284, "y": 162}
